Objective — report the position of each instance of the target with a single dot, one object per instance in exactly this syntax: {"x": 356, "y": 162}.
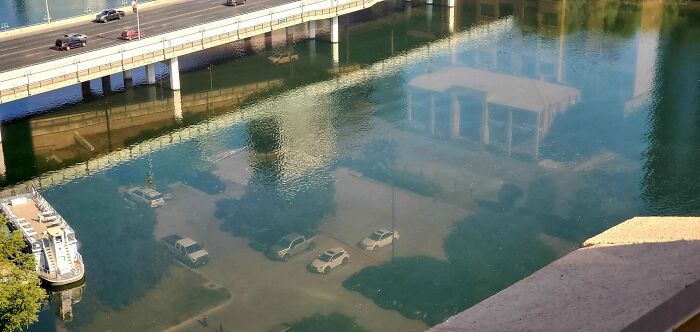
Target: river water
{"x": 494, "y": 141}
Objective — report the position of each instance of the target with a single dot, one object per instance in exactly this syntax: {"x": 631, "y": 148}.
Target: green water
{"x": 493, "y": 150}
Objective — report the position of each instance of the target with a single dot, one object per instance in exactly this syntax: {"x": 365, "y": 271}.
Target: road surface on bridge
{"x": 37, "y": 47}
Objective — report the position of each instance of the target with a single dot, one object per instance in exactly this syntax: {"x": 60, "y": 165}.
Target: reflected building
{"x": 57, "y": 140}
{"x": 497, "y": 109}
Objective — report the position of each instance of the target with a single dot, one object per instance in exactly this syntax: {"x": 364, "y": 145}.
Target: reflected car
{"x": 329, "y": 260}
{"x": 283, "y": 58}
{"x": 146, "y": 195}
{"x": 234, "y": 2}
{"x": 379, "y": 239}
{"x": 71, "y": 40}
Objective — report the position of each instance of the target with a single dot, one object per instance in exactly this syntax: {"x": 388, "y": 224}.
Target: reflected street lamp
{"x": 48, "y": 15}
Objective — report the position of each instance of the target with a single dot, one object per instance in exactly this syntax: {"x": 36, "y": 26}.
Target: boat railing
{"x": 45, "y": 207}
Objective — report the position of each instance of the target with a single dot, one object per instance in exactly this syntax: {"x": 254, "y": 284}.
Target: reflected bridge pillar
{"x": 335, "y": 50}
{"x": 151, "y": 73}
{"x": 177, "y": 103}
{"x": 3, "y": 168}
{"x": 485, "y": 135}
{"x": 432, "y": 114}
{"x": 174, "y": 74}
{"x": 451, "y": 19}
{"x": 128, "y": 75}
{"x": 409, "y": 106}
{"x": 334, "y": 30}
{"x": 106, "y": 85}
{"x": 85, "y": 89}
{"x": 312, "y": 29}
{"x": 456, "y": 113}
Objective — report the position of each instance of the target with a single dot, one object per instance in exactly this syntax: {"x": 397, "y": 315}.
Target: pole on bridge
{"x": 135, "y": 8}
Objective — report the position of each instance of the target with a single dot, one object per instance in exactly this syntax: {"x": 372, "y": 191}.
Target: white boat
{"x": 52, "y": 241}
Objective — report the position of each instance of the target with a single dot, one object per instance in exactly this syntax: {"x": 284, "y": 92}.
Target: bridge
{"x": 452, "y": 44}
{"x": 54, "y": 69}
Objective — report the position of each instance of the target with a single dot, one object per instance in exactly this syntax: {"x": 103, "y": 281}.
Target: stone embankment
{"x": 641, "y": 275}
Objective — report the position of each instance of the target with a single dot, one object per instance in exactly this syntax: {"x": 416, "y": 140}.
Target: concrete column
{"x": 451, "y": 3}
{"x": 174, "y": 74}
{"x": 106, "y": 85}
{"x": 409, "y": 106}
{"x": 456, "y": 113}
{"x": 432, "y": 114}
{"x": 335, "y": 50}
{"x": 151, "y": 73}
{"x": 128, "y": 75}
{"x": 312, "y": 30}
{"x": 428, "y": 2}
{"x": 451, "y": 20}
{"x": 334, "y": 30}
{"x": 177, "y": 103}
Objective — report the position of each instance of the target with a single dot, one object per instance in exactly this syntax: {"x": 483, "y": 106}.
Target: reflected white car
{"x": 330, "y": 260}
{"x": 379, "y": 239}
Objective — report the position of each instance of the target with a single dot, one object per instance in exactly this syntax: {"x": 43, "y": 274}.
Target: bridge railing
{"x": 42, "y": 77}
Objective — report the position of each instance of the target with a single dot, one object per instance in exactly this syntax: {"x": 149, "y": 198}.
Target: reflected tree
{"x": 671, "y": 181}
{"x": 336, "y": 322}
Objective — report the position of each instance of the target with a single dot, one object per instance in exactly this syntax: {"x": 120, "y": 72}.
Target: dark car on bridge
{"x": 71, "y": 40}
{"x": 108, "y": 15}
{"x": 234, "y": 2}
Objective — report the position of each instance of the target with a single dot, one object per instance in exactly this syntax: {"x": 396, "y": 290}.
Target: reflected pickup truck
{"x": 292, "y": 244}
{"x": 187, "y": 250}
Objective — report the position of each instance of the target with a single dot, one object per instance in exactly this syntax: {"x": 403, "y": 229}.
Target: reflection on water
{"x": 494, "y": 137}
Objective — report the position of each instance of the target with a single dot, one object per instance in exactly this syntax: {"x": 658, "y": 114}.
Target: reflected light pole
{"x": 393, "y": 221}
{"x": 48, "y": 15}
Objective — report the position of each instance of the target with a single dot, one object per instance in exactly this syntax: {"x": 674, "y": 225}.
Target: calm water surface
{"x": 492, "y": 150}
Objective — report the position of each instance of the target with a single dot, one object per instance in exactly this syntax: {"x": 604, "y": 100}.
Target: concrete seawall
{"x": 641, "y": 275}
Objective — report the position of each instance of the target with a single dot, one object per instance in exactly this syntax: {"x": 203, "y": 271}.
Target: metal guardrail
{"x": 42, "y": 77}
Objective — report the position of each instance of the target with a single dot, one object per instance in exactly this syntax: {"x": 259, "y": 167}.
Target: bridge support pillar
{"x": 312, "y": 29}
{"x": 128, "y": 75}
{"x": 451, "y": 20}
{"x": 151, "y": 73}
{"x": 451, "y": 3}
{"x": 174, "y": 74}
{"x": 428, "y": 2}
{"x": 334, "y": 30}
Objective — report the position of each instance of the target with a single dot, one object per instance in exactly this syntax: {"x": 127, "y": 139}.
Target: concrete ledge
{"x": 643, "y": 274}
